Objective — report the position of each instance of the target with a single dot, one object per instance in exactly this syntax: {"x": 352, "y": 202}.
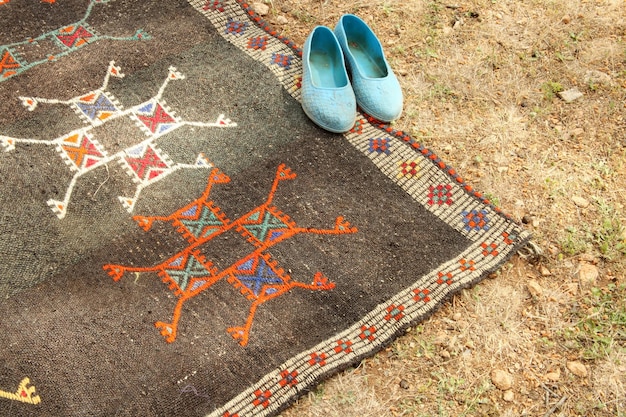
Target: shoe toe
{"x": 380, "y": 98}
{"x": 333, "y": 110}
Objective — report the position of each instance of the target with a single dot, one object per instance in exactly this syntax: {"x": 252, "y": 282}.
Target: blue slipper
{"x": 327, "y": 96}
{"x": 375, "y": 85}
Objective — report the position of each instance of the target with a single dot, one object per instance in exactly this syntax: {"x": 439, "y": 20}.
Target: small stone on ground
{"x": 554, "y": 375}
{"x": 580, "y": 201}
{"x": 508, "y": 396}
{"x": 570, "y": 95}
{"x": 261, "y": 8}
{"x": 534, "y": 288}
{"x": 587, "y": 275}
{"x": 501, "y": 379}
{"x": 577, "y": 368}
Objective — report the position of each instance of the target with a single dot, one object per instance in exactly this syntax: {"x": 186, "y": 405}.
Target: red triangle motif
{"x": 155, "y": 173}
{"x": 90, "y": 162}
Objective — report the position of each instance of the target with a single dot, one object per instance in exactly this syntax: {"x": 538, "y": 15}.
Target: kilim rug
{"x": 178, "y": 239}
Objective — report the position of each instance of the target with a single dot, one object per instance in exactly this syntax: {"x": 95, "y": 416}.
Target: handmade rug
{"x": 178, "y": 239}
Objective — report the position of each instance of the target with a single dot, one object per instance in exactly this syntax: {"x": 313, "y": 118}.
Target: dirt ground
{"x": 486, "y": 86}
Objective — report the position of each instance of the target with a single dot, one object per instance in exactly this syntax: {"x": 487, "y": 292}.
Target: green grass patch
{"x": 599, "y": 323}
{"x": 550, "y": 89}
{"x": 574, "y": 242}
{"x": 605, "y": 235}
{"x": 492, "y": 199}
{"x": 305, "y": 17}
{"x": 608, "y": 236}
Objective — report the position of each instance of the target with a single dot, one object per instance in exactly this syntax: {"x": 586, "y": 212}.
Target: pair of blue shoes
{"x": 329, "y": 95}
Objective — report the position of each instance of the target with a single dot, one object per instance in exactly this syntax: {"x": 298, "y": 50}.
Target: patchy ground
{"x": 484, "y": 84}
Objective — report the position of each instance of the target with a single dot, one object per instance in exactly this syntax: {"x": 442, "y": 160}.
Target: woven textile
{"x": 177, "y": 238}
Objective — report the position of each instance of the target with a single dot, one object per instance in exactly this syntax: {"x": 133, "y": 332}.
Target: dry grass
{"x": 481, "y": 79}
